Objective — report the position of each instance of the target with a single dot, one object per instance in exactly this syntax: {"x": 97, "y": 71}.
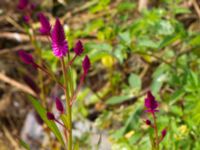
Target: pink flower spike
{"x": 59, "y": 105}
{"x": 78, "y": 49}
{"x": 150, "y": 103}
{"x": 45, "y": 25}
{"x": 25, "y": 57}
{"x": 59, "y": 44}
{"x": 86, "y": 64}
{"x": 22, "y": 4}
{"x": 50, "y": 116}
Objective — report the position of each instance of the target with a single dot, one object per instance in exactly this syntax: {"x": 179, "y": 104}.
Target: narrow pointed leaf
{"x": 42, "y": 112}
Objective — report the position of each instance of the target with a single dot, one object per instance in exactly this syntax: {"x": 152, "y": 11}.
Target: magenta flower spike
{"x": 25, "y": 57}
{"x": 86, "y": 64}
{"x": 22, "y": 4}
{"x": 45, "y": 25}
{"x": 59, "y": 44}
{"x": 50, "y": 116}
{"x": 78, "y": 49}
{"x": 59, "y": 105}
{"x": 150, "y": 103}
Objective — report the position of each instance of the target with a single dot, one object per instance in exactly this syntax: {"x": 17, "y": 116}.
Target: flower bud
{"x": 26, "y": 19}
{"x": 50, "y": 116}
{"x": 164, "y": 132}
{"x": 31, "y": 84}
{"x": 22, "y": 4}
{"x": 25, "y": 57}
{"x": 148, "y": 122}
{"x": 45, "y": 25}
{"x": 33, "y": 6}
{"x": 38, "y": 119}
{"x": 78, "y": 49}
{"x": 86, "y": 64}
{"x": 59, "y": 105}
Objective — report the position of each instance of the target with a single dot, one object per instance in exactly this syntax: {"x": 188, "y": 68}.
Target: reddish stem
{"x": 44, "y": 70}
{"x": 156, "y": 131}
{"x": 56, "y": 120}
{"x": 77, "y": 90}
{"x": 71, "y": 61}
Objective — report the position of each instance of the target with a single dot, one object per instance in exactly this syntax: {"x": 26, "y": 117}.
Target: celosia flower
{"x": 86, "y": 64}
{"x": 59, "y": 105}
{"x": 22, "y": 4}
{"x": 164, "y": 132}
{"x": 25, "y": 57}
{"x": 45, "y": 25}
{"x": 50, "y": 116}
{"x": 150, "y": 103}
{"x": 78, "y": 49}
{"x": 59, "y": 44}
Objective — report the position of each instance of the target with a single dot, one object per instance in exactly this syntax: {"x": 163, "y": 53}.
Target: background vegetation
{"x": 134, "y": 46}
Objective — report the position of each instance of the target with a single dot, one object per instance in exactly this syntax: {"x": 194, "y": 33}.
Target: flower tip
{"x": 50, "y": 116}
{"x": 59, "y": 44}
{"x": 150, "y": 103}
{"x": 25, "y": 57}
{"x": 78, "y": 49}
{"x": 86, "y": 64}
{"x": 59, "y": 105}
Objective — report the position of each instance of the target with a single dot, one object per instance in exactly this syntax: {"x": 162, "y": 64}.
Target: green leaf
{"x": 24, "y": 145}
{"x": 164, "y": 27}
{"x": 64, "y": 119}
{"x": 76, "y": 146}
{"x": 169, "y": 40}
{"x": 42, "y": 112}
{"x": 125, "y": 37}
{"x": 147, "y": 42}
{"x": 117, "y": 99}
{"x": 135, "y": 81}
{"x": 126, "y": 6}
{"x": 181, "y": 10}
{"x": 176, "y": 96}
{"x": 195, "y": 41}
{"x": 156, "y": 85}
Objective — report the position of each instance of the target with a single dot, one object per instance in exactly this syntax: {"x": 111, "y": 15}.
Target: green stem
{"x": 40, "y": 74}
{"x": 69, "y": 112}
